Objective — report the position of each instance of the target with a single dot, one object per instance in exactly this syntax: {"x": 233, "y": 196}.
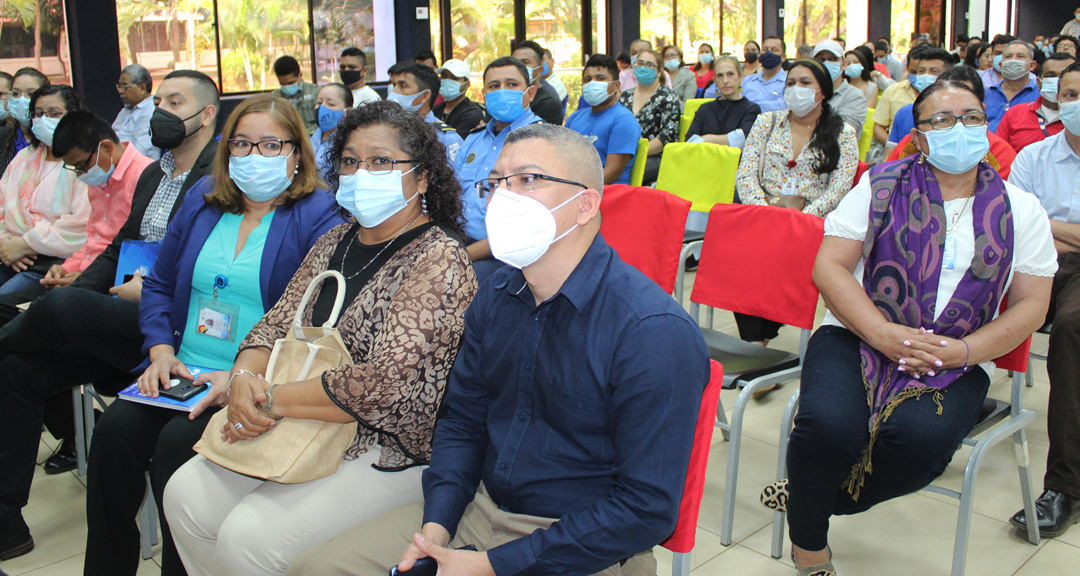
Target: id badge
{"x": 948, "y": 256}
{"x": 789, "y": 189}
{"x": 218, "y": 319}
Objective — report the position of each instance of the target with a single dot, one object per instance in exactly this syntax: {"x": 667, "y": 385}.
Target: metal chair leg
{"x": 735, "y": 446}
{"x": 148, "y": 522}
{"x": 680, "y": 564}
{"x": 1027, "y": 488}
{"x": 80, "y": 429}
{"x": 786, "y": 426}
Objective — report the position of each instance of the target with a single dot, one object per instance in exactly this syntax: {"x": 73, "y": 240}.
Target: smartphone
{"x": 128, "y": 278}
{"x": 182, "y": 389}
{"x": 425, "y": 566}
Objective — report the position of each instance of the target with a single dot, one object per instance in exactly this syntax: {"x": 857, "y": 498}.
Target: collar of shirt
{"x": 430, "y": 118}
{"x": 579, "y": 287}
{"x": 130, "y": 153}
{"x": 168, "y": 164}
{"x": 527, "y": 118}
{"x": 147, "y": 102}
{"x": 1031, "y": 85}
{"x": 1062, "y": 152}
{"x": 759, "y": 76}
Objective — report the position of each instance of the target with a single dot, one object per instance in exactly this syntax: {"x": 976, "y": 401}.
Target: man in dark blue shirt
{"x": 571, "y": 407}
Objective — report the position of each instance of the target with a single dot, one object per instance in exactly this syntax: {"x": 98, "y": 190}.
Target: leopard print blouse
{"x": 402, "y": 330}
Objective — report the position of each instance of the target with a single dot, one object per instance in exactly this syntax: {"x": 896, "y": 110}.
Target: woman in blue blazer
{"x": 228, "y": 256}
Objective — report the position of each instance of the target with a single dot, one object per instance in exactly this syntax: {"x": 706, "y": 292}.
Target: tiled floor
{"x": 911, "y": 535}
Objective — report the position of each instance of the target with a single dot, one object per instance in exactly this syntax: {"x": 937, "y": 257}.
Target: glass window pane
{"x": 253, "y": 34}
{"x": 556, "y": 25}
{"x": 809, "y": 22}
{"x": 930, "y": 15}
{"x": 698, "y": 22}
{"x": 740, "y": 24}
{"x": 19, "y": 47}
{"x": 364, "y": 24}
{"x": 657, "y": 25}
{"x": 482, "y": 32}
{"x": 434, "y": 8}
{"x": 148, "y": 29}
{"x": 903, "y": 24}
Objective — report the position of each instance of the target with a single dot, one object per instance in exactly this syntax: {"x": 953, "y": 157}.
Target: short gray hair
{"x": 1030, "y": 51}
{"x": 139, "y": 75}
{"x": 575, "y": 151}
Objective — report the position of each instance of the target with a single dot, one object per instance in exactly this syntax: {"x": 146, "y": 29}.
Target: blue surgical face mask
{"x": 644, "y": 75}
{"x": 44, "y": 128}
{"x": 505, "y": 105}
{"x": 997, "y": 62}
{"x": 1070, "y": 116}
{"x": 291, "y": 89}
{"x": 547, "y": 69}
{"x": 450, "y": 89}
{"x": 1049, "y": 88}
{"x": 260, "y": 178}
{"x": 853, "y": 70}
{"x": 532, "y": 74}
{"x": 671, "y": 64}
{"x": 596, "y": 92}
{"x": 705, "y": 59}
{"x": 95, "y": 176}
{"x": 633, "y": 59}
{"x": 372, "y": 199}
{"x": 923, "y": 81}
{"x": 3, "y": 111}
{"x": 20, "y": 109}
{"x": 406, "y": 102}
{"x": 957, "y": 149}
{"x": 833, "y": 68}
{"x": 329, "y": 119}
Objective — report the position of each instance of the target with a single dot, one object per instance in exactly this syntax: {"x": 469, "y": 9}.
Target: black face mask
{"x": 770, "y": 60}
{"x": 751, "y": 57}
{"x": 167, "y": 130}
{"x": 350, "y": 77}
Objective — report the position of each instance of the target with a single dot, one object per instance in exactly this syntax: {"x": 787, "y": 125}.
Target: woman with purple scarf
{"x": 913, "y": 269}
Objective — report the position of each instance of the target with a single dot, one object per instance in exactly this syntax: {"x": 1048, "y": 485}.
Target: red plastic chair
{"x": 645, "y": 226}
{"x": 755, "y": 260}
{"x": 681, "y": 542}
{"x": 859, "y": 172}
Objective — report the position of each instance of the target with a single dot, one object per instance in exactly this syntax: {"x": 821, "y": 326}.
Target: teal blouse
{"x": 217, "y": 324}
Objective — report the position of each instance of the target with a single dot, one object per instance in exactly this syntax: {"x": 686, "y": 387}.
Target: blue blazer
{"x": 166, "y": 292}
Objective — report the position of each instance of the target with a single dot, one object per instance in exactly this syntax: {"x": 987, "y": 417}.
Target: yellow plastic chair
{"x": 687, "y": 117}
{"x": 681, "y": 173}
{"x": 867, "y": 136}
{"x": 637, "y": 173}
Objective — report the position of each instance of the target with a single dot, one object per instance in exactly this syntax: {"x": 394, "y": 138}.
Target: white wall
{"x": 856, "y": 22}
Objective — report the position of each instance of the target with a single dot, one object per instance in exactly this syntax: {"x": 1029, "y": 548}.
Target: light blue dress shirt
{"x": 447, "y": 135}
{"x": 1051, "y": 171}
{"x": 321, "y": 150}
{"x": 768, "y": 94}
{"x": 133, "y": 125}
{"x": 474, "y": 162}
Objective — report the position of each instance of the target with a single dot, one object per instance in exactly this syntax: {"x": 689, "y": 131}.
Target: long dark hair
{"x": 867, "y": 65}
{"x": 826, "y": 137}
{"x": 712, "y": 51}
{"x": 419, "y": 140}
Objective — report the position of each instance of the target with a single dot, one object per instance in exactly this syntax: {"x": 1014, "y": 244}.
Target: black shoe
{"x": 63, "y": 460}
{"x": 691, "y": 263}
{"x": 15, "y": 539}
{"x": 1056, "y": 512}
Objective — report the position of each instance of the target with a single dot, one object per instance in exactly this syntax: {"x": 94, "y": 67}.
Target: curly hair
{"x": 419, "y": 140}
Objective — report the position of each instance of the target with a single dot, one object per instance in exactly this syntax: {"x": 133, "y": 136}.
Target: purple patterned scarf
{"x": 903, "y": 253}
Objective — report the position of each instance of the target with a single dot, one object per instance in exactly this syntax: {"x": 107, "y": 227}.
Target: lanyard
{"x": 1042, "y": 125}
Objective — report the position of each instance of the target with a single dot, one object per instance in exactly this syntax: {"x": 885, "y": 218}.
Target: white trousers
{"x": 228, "y": 524}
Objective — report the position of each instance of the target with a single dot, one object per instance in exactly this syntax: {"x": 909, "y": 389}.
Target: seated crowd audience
{"x": 461, "y": 249}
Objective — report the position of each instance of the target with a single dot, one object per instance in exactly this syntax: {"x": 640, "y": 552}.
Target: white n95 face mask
{"x": 372, "y": 199}
{"x": 520, "y": 229}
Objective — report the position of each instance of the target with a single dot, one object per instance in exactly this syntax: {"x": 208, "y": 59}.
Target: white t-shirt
{"x": 1033, "y": 253}
{"x": 364, "y": 95}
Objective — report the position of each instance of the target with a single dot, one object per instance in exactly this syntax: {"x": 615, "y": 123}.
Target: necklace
{"x": 956, "y": 215}
{"x": 376, "y": 257}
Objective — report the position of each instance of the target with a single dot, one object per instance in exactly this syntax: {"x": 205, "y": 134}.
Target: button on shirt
{"x": 768, "y": 94}
{"x": 133, "y": 125}
{"x": 997, "y": 104}
{"x": 109, "y": 208}
{"x": 1051, "y": 171}
{"x": 582, "y": 409}
{"x": 474, "y": 162}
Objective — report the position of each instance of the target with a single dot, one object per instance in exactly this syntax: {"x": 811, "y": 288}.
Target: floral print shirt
{"x": 767, "y": 165}
{"x": 659, "y": 117}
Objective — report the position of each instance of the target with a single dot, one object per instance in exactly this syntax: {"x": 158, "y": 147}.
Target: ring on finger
{"x": 238, "y": 426}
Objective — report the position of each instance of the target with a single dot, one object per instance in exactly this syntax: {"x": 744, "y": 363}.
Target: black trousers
{"x": 914, "y": 446}
{"x": 69, "y": 337}
{"x": 129, "y": 440}
{"x": 1063, "y": 411}
{"x": 756, "y": 329}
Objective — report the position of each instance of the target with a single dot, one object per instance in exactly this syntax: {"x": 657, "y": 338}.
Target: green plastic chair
{"x": 680, "y": 173}
{"x": 637, "y": 173}
{"x": 687, "y": 117}
{"x": 867, "y": 136}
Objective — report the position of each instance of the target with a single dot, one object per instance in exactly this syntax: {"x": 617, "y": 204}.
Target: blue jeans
{"x": 914, "y": 446}
{"x": 12, "y": 281}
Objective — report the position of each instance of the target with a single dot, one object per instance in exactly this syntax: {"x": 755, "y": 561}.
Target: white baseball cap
{"x": 456, "y": 67}
{"x": 830, "y": 46}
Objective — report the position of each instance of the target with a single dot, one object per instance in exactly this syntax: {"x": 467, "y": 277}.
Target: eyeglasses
{"x": 17, "y": 94}
{"x": 376, "y": 165}
{"x": 85, "y": 165}
{"x": 123, "y": 87}
{"x": 644, "y": 64}
{"x": 947, "y": 121}
{"x": 273, "y": 147}
{"x": 524, "y": 183}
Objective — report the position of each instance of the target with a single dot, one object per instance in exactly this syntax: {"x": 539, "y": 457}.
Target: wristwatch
{"x": 268, "y": 407}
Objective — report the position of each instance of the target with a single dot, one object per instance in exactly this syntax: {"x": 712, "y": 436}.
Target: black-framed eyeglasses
{"x": 523, "y": 183}
{"x": 271, "y": 147}
{"x": 642, "y": 63}
{"x": 947, "y": 121}
{"x": 85, "y": 165}
{"x": 376, "y": 165}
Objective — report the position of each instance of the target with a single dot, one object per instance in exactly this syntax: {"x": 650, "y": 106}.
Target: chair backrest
{"x": 681, "y": 173}
{"x": 645, "y": 226}
{"x": 867, "y": 136}
{"x": 637, "y": 171}
{"x": 682, "y": 540}
{"x": 1017, "y": 360}
{"x": 684, "y": 126}
{"x": 689, "y": 109}
{"x": 758, "y": 260}
{"x": 859, "y": 171}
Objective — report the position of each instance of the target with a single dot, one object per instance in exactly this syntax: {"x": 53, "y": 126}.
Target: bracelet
{"x": 268, "y": 409}
{"x": 228, "y": 389}
{"x": 967, "y": 353}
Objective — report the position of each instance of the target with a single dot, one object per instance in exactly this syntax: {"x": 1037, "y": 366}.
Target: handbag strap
{"x": 339, "y": 300}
